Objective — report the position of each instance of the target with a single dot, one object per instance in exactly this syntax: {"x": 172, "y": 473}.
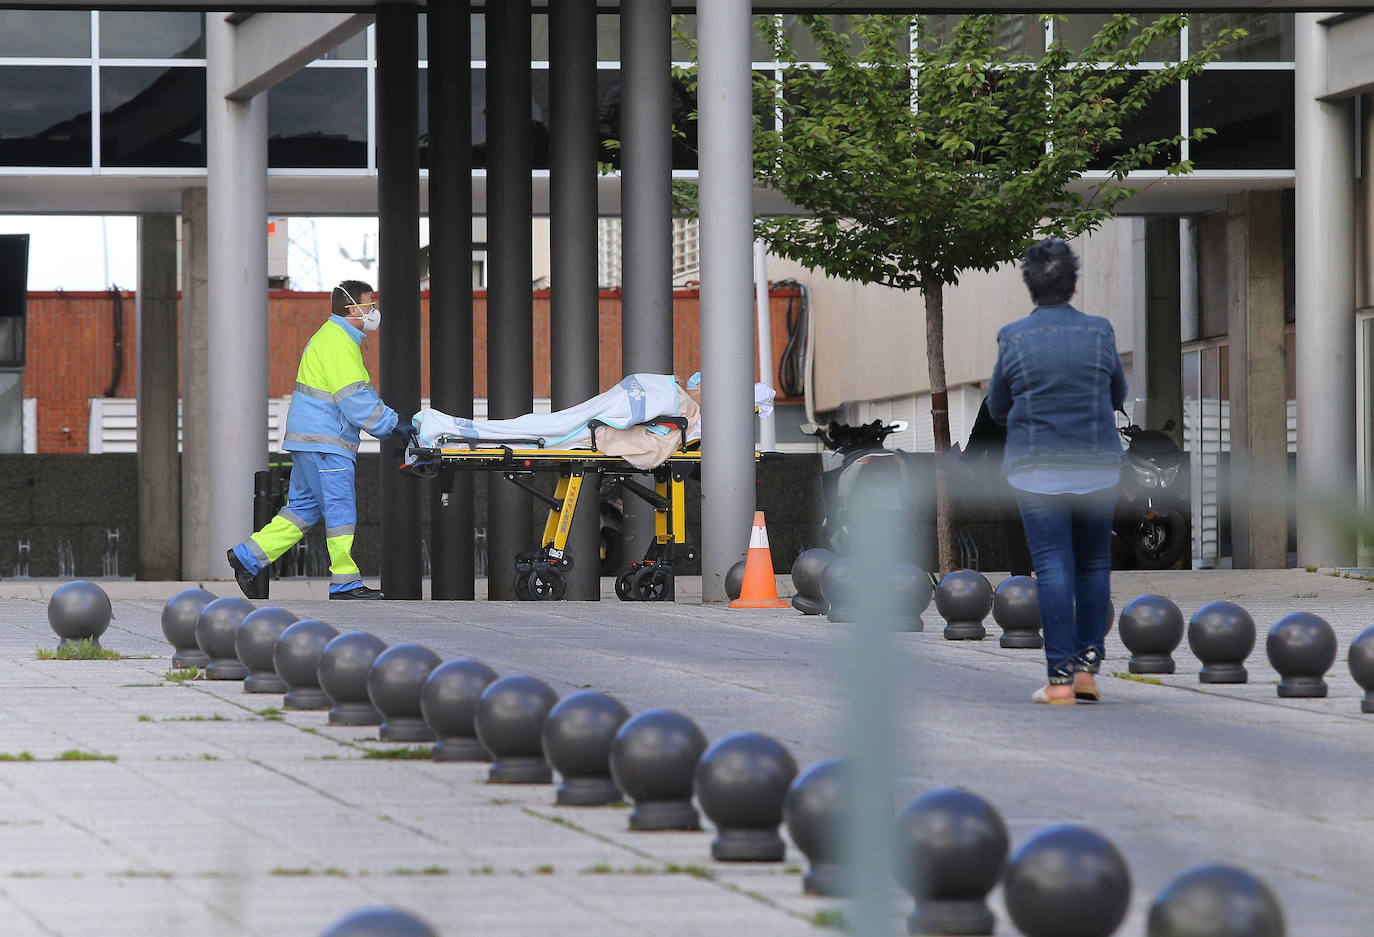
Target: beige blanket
{"x": 645, "y": 449}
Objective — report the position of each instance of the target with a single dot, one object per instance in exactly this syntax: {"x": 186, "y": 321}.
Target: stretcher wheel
{"x": 623, "y": 586}
{"x": 522, "y": 587}
{"x": 546, "y": 584}
{"x": 652, "y": 584}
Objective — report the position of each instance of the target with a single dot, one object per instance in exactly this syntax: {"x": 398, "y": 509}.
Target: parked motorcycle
{"x": 855, "y": 456}
{"x": 1150, "y": 522}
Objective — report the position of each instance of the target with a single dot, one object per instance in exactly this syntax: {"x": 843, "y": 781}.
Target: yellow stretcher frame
{"x": 539, "y": 574}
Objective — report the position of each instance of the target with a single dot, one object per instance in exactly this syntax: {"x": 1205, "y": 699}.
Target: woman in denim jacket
{"x": 1057, "y": 382}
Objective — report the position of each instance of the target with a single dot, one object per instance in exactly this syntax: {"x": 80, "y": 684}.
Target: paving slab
{"x": 222, "y": 813}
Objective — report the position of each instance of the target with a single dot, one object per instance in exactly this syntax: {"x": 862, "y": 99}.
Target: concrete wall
{"x": 870, "y": 340}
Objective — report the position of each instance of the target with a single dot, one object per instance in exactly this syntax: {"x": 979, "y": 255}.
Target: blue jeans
{"x": 1070, "y": 539}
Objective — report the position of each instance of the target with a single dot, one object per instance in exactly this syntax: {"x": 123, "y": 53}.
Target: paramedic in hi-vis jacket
{"x": 333, "y": 400}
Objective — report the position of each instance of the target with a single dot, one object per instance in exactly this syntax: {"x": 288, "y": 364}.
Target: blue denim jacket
{"x": 1057, "y": 382}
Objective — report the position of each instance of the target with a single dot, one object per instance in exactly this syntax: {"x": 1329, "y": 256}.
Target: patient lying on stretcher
{"x": 625, "y": 416}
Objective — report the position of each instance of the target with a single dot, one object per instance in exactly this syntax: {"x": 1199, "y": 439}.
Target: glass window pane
{"x": 1160, "y": 118}
{"x": 804, "y": 44}
{"x": 45, "y": 115}
{"x": 318, "y": 118}
{"x": 1078, "y": 30}
{"x": 355, "y": 47}
{"x": 1252, "y": 113}
{"x": 539, "y": 37}
{"x": 45, "y": 35}
{"x": 1269, "y": 36}
{"x": 609, "y": 91}
{"x": 1021, "y": 35}
{"x": 152, "y": 116}
{"x": 152, "y": 35}
{"x": 479, "y": 37}
{"x": 608, "y": 37}
{"x": 479, "y": 118}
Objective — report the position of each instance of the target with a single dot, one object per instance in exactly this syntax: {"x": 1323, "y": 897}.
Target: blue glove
{"x": 402, "y": 434}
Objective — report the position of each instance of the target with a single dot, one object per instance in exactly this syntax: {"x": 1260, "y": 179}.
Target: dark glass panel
{"x": 152, "y": 35}
{"x": 1160, "y": 118}
{"x": 317, "y": 118}
{"x": 1252, "y": 113}
{"x": 1021, "y": 35}
{"x": 609, "y": 91}
{"x": 1269, "y": 36}
{"x": 803, "y": 43}
{"x": 479, "y": 118}
{"x": 45, "y": 115}
{"x": 49, "y": 35}
{"x": 152, "y": 116}
{"x": 1077, "y": 30}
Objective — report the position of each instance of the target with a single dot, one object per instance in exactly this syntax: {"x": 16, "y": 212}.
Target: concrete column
{"x": 450, "y": 280}
{"x": 398, "y": 253}
{"x": 510, "y": 313}
{"x": 1259, "y": 378}
{"x": 196, "y": 546}
{"x": 646, "y": 205}
{"x": 1156, "y": 362}
{"x": 725, "y": 134}
{"x": 576, "y": 353}
{"x": 236, "y": 372}
{"x": 1325, "y": 305}
{"x": 159, "y": 474}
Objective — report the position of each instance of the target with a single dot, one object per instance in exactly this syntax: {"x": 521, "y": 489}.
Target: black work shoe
{"x": 248, "y": 582}
{"x": 361, "y": 592}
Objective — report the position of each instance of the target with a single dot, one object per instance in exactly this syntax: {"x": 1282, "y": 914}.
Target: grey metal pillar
{"x": 510, "y": 313}
{"x": 1158, "y": 362}
{"x": 196, "y": 546}
{"x": 576, "y": 353}
{"x": 398, "y": 250}
{"x": 159, "y": 474}
{"x": 1325, "y": 305}
{"x": 725, "y": 134}
{"x": 236, "y": 336}
{"x": 450, "y": 280}
{"x": 646, "y": 205}
{"x": 1259, "y": 380}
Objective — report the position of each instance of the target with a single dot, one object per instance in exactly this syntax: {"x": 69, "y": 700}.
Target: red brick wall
{"x": 71, "y": 349}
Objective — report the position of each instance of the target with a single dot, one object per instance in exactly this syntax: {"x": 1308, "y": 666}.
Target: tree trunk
{"x": 933, "y": 292}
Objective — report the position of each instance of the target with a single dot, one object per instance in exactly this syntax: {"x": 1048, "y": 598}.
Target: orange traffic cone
{"x": 760, "y": 589}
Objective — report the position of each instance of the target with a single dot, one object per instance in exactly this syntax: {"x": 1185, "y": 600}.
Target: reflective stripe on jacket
{"x": 333, "y": 398}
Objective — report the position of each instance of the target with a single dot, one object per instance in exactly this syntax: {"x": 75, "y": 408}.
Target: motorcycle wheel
{"x": 1158, "y": 543}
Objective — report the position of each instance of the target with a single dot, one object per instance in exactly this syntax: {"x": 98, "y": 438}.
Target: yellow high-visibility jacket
{"x": 334, "y": 397}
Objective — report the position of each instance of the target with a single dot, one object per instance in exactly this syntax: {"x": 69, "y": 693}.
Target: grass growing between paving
{"x": 830, "y": 917}
{"x": 85, "y": 649}
{"x": 1138, "y": 678}
{"x": 71, "y": 754}
{"x": 406, "y": 751}
{"x": 181, "y": 676}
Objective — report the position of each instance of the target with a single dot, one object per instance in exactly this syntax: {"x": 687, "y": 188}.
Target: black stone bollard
{"x": 1222, "y": 635}
{"x": 1361, "y": 661}
{"x": 380, "y": 922}
{"x": 216, "y": 631}
{"x": 509, "y": 721}
{"x": 840, "y": 589}
{"x": 296, "y": 658}
{"x": 741, "y": 783}
{"x": 448, "y": 701}
{"x": 734, "y": 580}
{"x": 79, "y": 610}
{"x": 394, "y": 683}
{"x": 1067, "y": 880}
{"x": 577, "y": 742}
{"x": 816, "y": 808}
{"x": 253, "y": 645}
{"x": 1151, "y": 627}
{"x": 179, "y": 617}
{"x": 951, "y": 846}
{"x": 1016, "y": 608}
{"x": 911, "y": 592}
{"x": 342, "y": 673}
{"x": 1302, "y": 648}
{"x": 653, "y": 760}
{"x": 806, "y": 580}
{"x": 1215, "y": 901}
{"x": 963, "y": 599}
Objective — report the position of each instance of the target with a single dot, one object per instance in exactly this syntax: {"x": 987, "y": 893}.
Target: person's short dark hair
{"x": 1050, "y": 272}
{"x": 339, "y": 300}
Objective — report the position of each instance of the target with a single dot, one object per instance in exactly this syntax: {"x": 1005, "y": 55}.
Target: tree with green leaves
{"x": 916, "y": 152}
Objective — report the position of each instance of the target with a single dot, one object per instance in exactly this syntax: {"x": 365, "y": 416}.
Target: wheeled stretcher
{"x": 539, "y": 574}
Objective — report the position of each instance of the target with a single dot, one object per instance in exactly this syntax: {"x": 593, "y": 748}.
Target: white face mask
{"x": 370, "y": 319}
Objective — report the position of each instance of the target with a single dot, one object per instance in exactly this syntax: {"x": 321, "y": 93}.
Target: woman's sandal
{"x": 1086, "y": 691}
{"x": 1041, "y": 696}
